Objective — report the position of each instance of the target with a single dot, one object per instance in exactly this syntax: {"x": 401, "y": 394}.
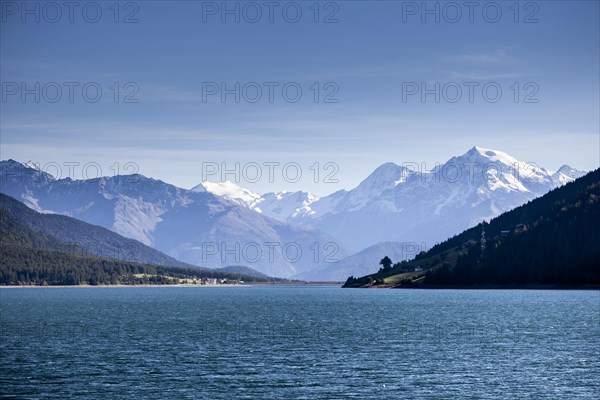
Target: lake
{"x": 298, "y": 343}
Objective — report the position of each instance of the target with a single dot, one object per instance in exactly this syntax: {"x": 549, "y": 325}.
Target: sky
{"x": 295, "y": 95}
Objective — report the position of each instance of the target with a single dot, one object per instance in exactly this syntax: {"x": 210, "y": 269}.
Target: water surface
{"x": 298, "y": 343}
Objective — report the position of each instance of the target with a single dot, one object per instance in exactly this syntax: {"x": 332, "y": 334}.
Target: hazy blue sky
{"x": 178, "y": 51}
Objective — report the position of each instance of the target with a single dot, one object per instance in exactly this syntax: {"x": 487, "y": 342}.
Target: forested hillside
{"x": 32, "y": 257}
{"x": 91, "y": 239}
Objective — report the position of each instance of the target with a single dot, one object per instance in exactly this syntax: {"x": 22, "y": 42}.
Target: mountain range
{"x": 197, "y": 228}
{"x": 294, "y": 234}
{"x": 403, "y": 203}
{"x": 552, "y": 241}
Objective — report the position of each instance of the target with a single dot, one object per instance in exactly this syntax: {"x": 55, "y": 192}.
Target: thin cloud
{"x": 496, "y": 57}
{"x": 484, "y": 76}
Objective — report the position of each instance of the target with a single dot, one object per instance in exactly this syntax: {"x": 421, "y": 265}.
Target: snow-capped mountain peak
{"x": 229, "y": 191}
{"x": 566, "y": 174}
{"x": 32, "y": 165}
{"x": 485, "y": 157}
{"x": 386, "y": 176}
{"x": 19, "y": 180}
{"x": 494, "y": 165}
{"x": 285, "y": 205}
{"x": 277, "y": 205}
{"x": 491, "y": 155}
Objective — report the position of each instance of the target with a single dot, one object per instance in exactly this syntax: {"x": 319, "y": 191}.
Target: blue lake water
{"x": 298, "y": 343}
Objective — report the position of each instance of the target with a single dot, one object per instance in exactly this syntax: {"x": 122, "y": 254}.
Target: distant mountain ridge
{"x": 196, "y": 228}
{"x": 87, "y": 239}
{"x": 403, "y": 204}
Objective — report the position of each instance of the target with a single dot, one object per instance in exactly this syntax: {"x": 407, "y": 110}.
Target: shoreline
{"x": 310, "y": 284}
{"x": 485, "y": 287}
{"x": 299, "y": 284}
{"x": 103, "y": 286}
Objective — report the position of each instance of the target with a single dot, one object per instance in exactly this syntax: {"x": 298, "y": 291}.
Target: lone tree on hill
{"x": 386, "y": 264}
